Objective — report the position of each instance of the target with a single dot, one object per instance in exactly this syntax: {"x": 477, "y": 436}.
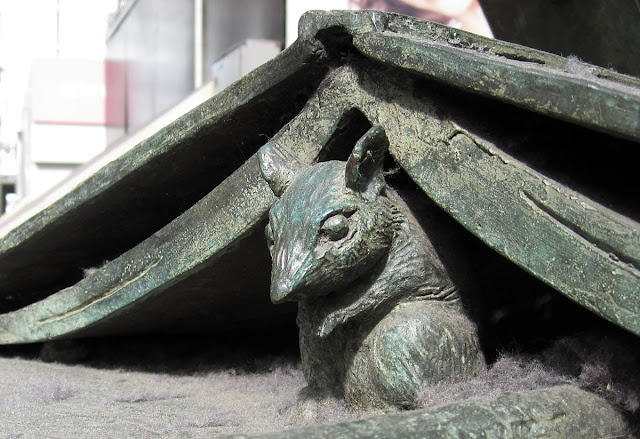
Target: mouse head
{"x": 331, "y": 223}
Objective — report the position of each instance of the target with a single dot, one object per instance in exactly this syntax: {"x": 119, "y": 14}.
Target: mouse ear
{"x": 364, "y": 171}
{"x": 279, "y": 166}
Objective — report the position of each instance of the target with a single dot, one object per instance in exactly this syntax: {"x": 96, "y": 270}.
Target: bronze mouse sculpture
{"x": 379, "y": 317}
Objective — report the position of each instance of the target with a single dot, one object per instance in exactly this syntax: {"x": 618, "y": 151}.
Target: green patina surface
{"x": 378, "y": 315}
{"x": 580, "y": 247}
{"x": 558, "y": 412}
{"x": 179, "y": 218}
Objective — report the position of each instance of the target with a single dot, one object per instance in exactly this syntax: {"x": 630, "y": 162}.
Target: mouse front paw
{"x": 331, "y": 322}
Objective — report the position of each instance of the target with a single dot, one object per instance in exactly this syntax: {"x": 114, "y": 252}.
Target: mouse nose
{"x": 280, "y": 291}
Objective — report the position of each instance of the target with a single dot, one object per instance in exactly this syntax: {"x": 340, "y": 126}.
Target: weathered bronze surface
{"x": 528, "y": 151}
{"x": 379, "y": 317}
{"x": 451, "y": 141}
{"x": 563, "y": 412}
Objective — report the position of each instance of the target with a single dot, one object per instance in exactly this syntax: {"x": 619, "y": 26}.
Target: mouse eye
{"x": 268, "y": 233}
{"x": 335, "y": 227}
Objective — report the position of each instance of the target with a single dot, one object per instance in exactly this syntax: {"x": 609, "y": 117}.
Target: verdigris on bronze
{"x": 558, "y": 412}
{"x": 452, "y": 105}
{"x": 379, "y": 317}
{"x": 372, "y": 61}
{"x": 436, "y": 80}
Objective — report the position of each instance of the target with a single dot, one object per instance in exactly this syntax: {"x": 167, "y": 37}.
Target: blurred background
{"x": 82, "y": 81}
{"x": 80, "y": 78}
